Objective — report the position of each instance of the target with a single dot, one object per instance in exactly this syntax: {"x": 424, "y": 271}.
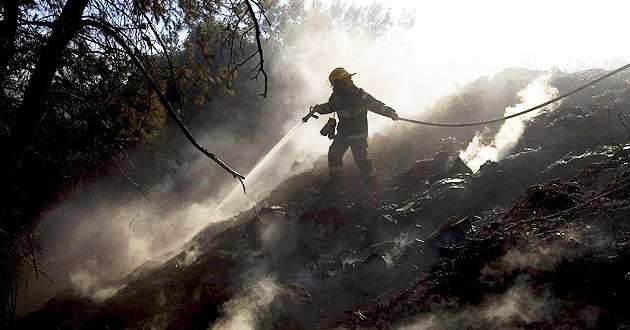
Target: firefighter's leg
{"x": 335, "y": 160}
{"x": 360, "y": 155}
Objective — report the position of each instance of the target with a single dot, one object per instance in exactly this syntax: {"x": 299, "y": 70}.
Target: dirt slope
{"x": 536, "y": 240}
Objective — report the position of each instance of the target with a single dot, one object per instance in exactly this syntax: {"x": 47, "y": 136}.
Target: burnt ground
{"x": 557, "y": 259}
{"x": 538, "y": 240}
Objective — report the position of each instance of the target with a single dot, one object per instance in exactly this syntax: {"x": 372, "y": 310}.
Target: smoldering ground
{"x": 522, "y": 301}
{"x": 479, "y": 151}
{"x": 105, "y": 230}
{"x": 300, "y": 270}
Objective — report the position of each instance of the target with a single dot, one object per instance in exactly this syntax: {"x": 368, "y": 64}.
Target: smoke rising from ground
{"x": 522, "y": 303}
{"x": 481, "y": 149}
{"x": 104, "y": 231}
{"x": 243, "y": 311}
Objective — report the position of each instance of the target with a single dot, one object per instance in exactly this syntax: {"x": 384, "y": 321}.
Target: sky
{"x": 572, "y": 35}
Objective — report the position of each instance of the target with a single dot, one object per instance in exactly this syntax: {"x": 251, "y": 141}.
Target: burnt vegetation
{"x": 537, "y": 240}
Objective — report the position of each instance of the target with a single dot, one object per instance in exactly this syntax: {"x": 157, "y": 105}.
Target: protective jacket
{"x": 351, "y": 105}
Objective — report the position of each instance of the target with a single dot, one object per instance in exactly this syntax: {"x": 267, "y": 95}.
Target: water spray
{"x": 268, "y": 156}
{"x": 261, "y": 163}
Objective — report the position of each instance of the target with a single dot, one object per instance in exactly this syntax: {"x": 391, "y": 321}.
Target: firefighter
{"x": 351, "y": 105}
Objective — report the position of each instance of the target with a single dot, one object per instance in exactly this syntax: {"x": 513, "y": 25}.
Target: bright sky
{"x": 536, "y": 34}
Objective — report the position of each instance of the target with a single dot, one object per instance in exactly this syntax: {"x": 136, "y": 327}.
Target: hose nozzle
{"x": 311, "y": 113}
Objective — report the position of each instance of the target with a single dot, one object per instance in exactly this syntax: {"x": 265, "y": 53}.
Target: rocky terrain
{"x": 537, "y": 240}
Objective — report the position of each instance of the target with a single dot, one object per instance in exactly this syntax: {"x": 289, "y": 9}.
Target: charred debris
{"x": 536, "y": 240}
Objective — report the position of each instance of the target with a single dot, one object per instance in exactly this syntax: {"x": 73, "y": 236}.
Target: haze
{"x": 450, "y": 44}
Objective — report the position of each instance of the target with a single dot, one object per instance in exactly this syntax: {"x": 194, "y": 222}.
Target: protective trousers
{"x": 359, "y": 153}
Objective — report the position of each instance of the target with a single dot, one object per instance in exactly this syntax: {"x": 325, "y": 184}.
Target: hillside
{"x": 533, "y": 240}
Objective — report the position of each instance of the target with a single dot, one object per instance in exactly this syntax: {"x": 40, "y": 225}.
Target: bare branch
{"x": 242, "y": 63}
{"x": 160, "y": 41}
{"x": 260, "y": 67}
{"x": 111, "y": 31}
{"x": 261, "y": 10}
{"x": 243, "y": 37}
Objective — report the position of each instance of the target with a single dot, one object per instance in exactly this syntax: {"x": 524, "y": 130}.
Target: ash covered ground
{"x": 537, "y": 239}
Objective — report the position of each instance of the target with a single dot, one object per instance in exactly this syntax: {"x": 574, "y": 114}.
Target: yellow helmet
{"x": 339, "y": 74}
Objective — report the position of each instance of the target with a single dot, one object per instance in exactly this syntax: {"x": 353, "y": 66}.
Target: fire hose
{"x": 495, "y": 120}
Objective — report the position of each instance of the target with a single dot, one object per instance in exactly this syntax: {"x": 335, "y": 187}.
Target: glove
{"x": 329, "y": 129}
{"x": 389, "y": 112}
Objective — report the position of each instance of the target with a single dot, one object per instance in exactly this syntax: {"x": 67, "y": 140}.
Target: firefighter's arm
{"x": 322, "y": 108}
{"x": 379, "y": 107}
{"x": 328, "y": 107}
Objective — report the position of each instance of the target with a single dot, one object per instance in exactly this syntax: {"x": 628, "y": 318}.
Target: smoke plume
{"x": 246, "y": 308}
{"x": 482, "y": 149}
{"x": 524, "y": 302}
{"x": 520, "y": 304}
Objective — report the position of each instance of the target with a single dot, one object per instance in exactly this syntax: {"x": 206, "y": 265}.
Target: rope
{"x": 490, "y": 121}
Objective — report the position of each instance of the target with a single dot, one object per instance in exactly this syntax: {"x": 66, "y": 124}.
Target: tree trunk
{"x": 22, "y": 197}
{"x": 34, "y": 103}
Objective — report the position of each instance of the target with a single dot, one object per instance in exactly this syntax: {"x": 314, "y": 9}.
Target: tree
{"x": 83, "y": 79}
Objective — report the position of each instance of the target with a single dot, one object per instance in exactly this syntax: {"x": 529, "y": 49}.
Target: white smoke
{"x": 247, "y": 307}
{"x": 88, "y": 285}
{"x": 480, "y": 150}
{"x": 520, "y": 304}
